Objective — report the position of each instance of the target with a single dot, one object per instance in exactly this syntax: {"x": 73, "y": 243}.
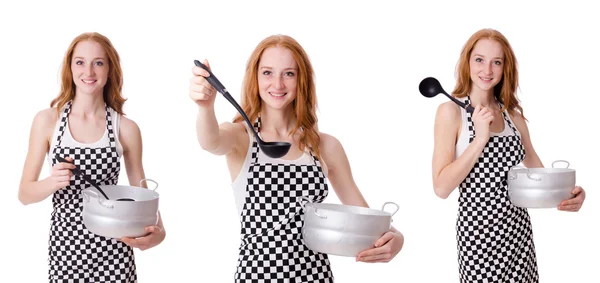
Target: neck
{"x": 481, "y": 97}
{"x": 87, "y": 104}
{"x": 281, "y": 122}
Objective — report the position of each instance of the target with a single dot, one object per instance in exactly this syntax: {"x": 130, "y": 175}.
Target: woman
{"x": 279, "y": 95}
{"x": 475, "y": 151}
{"x": 85, "y": 125}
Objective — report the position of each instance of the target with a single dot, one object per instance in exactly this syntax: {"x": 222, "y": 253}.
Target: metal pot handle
{"x": 155, "y": 183}
{"x": 308, "y": 200}
{"x": 389, "y": 202}
{"x": 95, "y": 194}
{"x": 568, "y": 164}
{"x": 302, "y": 204}
{"x": 532, "y": 178}
{"x": 513, "y": 176}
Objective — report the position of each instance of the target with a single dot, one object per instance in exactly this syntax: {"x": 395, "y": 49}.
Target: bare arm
{"x": 531, "y": 158}
{"x": 131, "y": 140}
{"x": 340, "y": 177}
{"x": 32, "y": 190}
{"x": 447, "y": 173}
{"x": 339, "y": 172}
{"x": 219, "y": 140}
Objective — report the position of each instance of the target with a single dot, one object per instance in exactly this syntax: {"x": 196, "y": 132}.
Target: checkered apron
{"x": 495, "y": 241}
{"x": 272, "y": 248}
{"x": 74, "y": 253}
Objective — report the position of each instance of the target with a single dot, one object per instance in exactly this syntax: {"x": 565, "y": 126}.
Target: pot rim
{"x": 355, "y": 210}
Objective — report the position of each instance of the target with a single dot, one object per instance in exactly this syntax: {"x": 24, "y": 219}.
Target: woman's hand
{"x": 386, "y": 248}
{"x": 573, "y": 204}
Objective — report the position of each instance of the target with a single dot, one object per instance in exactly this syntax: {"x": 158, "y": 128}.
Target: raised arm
{"x": 448, "y": 172}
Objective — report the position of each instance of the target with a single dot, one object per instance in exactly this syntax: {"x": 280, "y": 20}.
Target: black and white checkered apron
{"x": 272, "y": 248}
{"x": 74, "y": 253}
{"x": 495, "y": 241}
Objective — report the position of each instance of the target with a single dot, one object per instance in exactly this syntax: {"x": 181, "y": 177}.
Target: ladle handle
{"x": 467, "y": 107}
{"x": 83, "y": 176}
{"x": 220, "y": 88}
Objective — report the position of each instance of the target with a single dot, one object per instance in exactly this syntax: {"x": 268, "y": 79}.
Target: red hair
{"x": 305, "y": 103}
{"x": 506, "y": 90}
{"x": 112, "y": 90}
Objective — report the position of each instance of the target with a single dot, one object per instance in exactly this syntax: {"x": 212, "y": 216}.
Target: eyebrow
{"x": 286, "y": 69}
{"x": 97, "y": 58}
{"x": 502, "y": 58}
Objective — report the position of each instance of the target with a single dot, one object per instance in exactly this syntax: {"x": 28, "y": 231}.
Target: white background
{"x": 369, "y": 58}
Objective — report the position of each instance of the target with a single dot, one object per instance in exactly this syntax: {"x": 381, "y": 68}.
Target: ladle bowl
{"x": 271, "y": 149}
{"x": 430, "y": 87}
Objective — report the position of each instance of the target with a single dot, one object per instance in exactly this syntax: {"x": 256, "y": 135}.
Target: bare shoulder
{"x": 45, "y": 122}
{"x": 448, "y": 111}
{"x": 128, "y": 127}
{"x": 519, "y": 121}
{"x": 329, "y": 145}
{"x": 130, "y": 135}
{"x": 48, "y": 116}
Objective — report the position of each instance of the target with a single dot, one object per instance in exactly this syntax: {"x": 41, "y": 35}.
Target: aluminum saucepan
{"x": 343, "y": 230}
{"x": 118, "y": 219}
{"x": 540, "y": 187}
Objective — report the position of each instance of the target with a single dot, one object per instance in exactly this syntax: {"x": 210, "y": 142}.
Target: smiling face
{"x": 486, "y": 64}
{"x": 90, "y": 67}
{"x": 277, "y": 77}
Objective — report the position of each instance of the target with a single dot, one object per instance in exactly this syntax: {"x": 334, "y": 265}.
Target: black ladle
{"x": 88, "y": 179}
{"x": 430, "y": 87}
{"x": 271, "y": 149}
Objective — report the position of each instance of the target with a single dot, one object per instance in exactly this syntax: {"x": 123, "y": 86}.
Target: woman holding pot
{"x": 279, "y": 96}
{"x": 474, "y": 151}
{"x": 85, "y": 125}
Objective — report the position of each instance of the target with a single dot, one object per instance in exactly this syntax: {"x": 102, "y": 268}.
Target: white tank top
{"x": 463, "y": 138}
{"x": 69, "y": 141}
{"x": 241, "y": 181}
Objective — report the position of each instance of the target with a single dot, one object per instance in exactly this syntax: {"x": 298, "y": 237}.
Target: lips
{"x": 277, "y": 94}
{"x": 89, "y": 81}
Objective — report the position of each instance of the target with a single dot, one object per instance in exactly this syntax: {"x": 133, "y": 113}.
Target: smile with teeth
{"x": 89, "y": 81}
{"x": 277, "y": 94}
{"x": 486, "y": 79}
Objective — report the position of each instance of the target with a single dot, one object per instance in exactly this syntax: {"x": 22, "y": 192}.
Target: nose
{"x": 89, "y": 70}
{"x": 278, "y": 83}
{"x": 488, "y": 69}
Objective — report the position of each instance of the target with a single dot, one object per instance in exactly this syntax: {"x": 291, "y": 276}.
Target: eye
{"x": 78, "y": 62}
{"x": 267, "y": 73}
{"x": 478, "y": 60}
{"x": 99, "y": 63}
{"x": 498, "y": 62}
{"x": 289, "y": 74}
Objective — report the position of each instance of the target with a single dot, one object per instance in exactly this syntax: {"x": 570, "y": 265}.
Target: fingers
{"x": 377, "y": 258}
{"x": 63, "y": 166}
{"x": 577, "y": 190}
{"x": 145, "y": 242}
{"x": 198, "y": 71}
{"x": 384, "y": 239}
{"x": 570, "y": 207}
{"x": 375, "y": 254}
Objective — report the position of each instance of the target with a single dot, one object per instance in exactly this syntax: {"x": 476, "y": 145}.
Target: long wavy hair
{"x": 305, "y": 103}
{"x": 506, "y": 90}
{"x": 112, "y": 92}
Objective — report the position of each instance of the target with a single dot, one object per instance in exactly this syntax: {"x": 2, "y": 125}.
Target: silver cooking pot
{"x": 117, "y": 219}
{"x": 540, "y": 187}
{"x": 343, "y": 230}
